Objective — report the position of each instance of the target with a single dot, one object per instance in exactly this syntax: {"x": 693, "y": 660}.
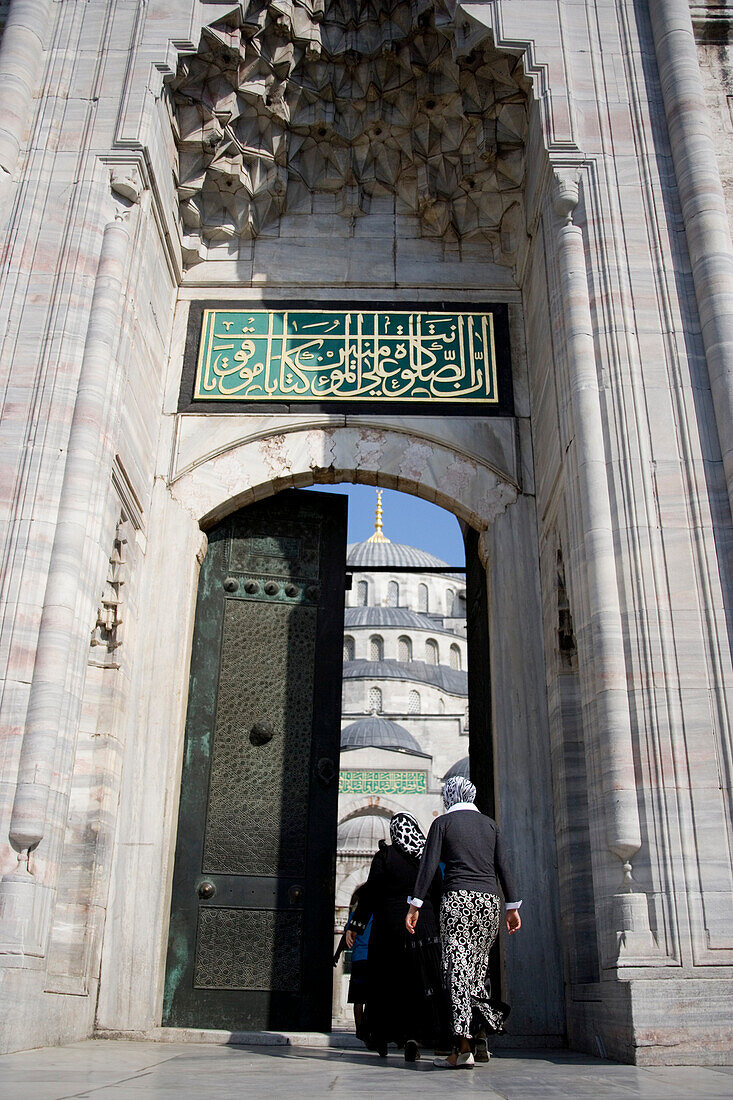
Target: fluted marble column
{"x": 21, "y": 64}
{"x": 46, "y": 705}
{"x": 613, "y": 735}
{"x": 707, "y": 228}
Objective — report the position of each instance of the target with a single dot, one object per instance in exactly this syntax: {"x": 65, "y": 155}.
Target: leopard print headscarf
{"x": 458, "y": 789}
{"x": 407, "y": 835}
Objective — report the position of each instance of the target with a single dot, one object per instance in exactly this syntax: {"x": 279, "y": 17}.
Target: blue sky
{"x": 406, "y": 519}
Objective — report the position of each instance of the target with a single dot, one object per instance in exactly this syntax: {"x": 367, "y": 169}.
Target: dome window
{"x": 450, "y": 597}
{"x": 362, "y": 594}
{"x": 375, "y": 700}
{"x": 422, "y": 598}
{"x": 376, "y": 648}
{"x": 455, "y": 658}
{"x": 348, "y": 648}
{"x": 431, "y": 651}
{"x": 413, "y": 703}
{"x": 404, "y": 649}
{"x": 393, "y": 594}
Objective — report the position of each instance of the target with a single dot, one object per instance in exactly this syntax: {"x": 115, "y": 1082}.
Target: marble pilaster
{"x": 703, "y": 204}
{"x": 613, "y": 736}
{"x": 87, "y": 442}
{"x": 22, "y": 58}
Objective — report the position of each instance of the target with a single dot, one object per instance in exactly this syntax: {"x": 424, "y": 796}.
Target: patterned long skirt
{"x": 469, "y": 924}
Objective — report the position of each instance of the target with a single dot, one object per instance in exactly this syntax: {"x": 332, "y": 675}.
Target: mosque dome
{"x": 361, "y": 835}
{"x": 461, "y": 767}
{"x": 378, "y": 550}
{"x": 374, "y": 732}
{"x": 362, "y": 555}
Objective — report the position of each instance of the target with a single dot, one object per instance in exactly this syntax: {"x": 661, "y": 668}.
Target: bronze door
{"x": 255, "y": 859}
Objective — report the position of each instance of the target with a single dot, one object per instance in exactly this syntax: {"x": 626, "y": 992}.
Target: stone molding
{"x": 356, "y": 805}
{"x": 252, "y": 469}
{"x": 712, "y": 21}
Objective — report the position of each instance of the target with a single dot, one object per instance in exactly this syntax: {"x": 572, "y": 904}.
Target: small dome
{"x": 461, "y": 767}
{"x": 374, "y": 732}
{"x": 362, "y": 834}
{"x": 363, "y": 554}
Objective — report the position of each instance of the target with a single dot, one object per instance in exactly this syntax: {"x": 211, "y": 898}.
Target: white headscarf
{"x": 458, "y": 789}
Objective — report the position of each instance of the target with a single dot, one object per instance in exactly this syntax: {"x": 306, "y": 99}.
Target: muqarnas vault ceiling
{"x": 287, "y": 99}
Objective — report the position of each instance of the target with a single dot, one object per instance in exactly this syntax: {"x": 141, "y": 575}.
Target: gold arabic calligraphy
{"x": 317, "y": 355}
{"x": 382, "y": 782}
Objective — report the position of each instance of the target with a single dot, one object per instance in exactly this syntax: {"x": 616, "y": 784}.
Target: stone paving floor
{"x": 123, "y": 1070}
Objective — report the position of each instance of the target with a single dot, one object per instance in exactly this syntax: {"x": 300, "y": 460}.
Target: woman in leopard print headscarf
{"x": 404, "y": 996}
{"x": 407, "y": 835}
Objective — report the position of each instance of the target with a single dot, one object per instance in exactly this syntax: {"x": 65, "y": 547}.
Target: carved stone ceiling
{"x": 354, "y": 98}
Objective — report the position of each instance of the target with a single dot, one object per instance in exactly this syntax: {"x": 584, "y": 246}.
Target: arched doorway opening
{"x": 483, "y": 749}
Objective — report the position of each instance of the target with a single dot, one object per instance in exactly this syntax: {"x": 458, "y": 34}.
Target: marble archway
{"x": 240, "y": 471}
{"x": 223, "y": 463}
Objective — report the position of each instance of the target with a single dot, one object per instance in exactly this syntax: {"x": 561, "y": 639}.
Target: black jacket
{"x": 384, "y": 896}
{"x": 470, "y": 846}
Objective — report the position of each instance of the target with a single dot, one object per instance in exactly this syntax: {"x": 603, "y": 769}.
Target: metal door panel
{"x": 254, "y": 870}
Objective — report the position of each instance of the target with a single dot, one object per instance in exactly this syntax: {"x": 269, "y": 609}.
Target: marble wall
{"x": 603, "y": 507}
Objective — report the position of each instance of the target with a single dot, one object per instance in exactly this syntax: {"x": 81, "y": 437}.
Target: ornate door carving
{"x": 254, "y": 870}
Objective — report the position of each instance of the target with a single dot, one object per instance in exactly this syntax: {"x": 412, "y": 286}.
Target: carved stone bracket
{"x": 107, "y": 632}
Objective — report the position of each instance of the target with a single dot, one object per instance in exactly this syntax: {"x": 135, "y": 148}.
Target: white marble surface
{"x": 117, "y": 1069}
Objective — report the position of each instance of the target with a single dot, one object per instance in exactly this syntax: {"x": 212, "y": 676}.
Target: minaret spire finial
{"x": 378, "y": 536}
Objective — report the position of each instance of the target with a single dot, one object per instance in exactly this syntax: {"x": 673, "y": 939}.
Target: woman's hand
{"x": 411, "y": 919}
{"x": 513, "y": 921}
{"x": 350, "y": 937}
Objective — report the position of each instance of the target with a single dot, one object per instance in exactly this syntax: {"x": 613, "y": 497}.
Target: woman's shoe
{"x": 482, "y": 1052}
{"x": 412, "y": 1051}
{"x": 381, "y": 1049}
{"x": 463, "y": 1061}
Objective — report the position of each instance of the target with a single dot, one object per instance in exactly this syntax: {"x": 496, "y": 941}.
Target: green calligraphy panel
{"x": 361, "y": 781}
{"x": 337, "y": 355}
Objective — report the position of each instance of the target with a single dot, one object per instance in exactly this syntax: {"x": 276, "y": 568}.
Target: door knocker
{"x": 261, "y": 733}
{"x": 326, "y": 770}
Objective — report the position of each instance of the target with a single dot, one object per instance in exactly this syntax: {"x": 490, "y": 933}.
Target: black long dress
{"x": 404, "y": 993}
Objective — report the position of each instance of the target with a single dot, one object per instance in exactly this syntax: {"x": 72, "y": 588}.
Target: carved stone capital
{"x": 126, "y": 181}
{"x": 565, "y": 192}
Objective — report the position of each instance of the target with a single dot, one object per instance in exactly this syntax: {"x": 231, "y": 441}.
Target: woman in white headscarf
{"x": 404, "y": 996}
{"x": 475, "y": 866}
